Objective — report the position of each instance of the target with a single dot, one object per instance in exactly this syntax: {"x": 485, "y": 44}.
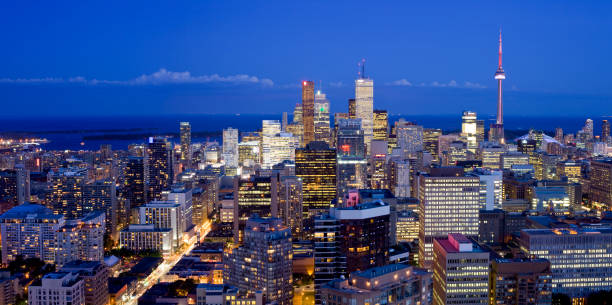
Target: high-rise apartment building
{"x": 579, "y": 258}
{"x": 15, "y": 185}
{"x": 66, "y": 191}
{"x": 605, "y": 130}
{"x": 101, "y": 195}
{"x": 134, "y": 184}
{"x": 308, "y": 100}
{"x": 290, "y": 204}
{"x": 164, "y": 214}
{"x": 460, "y": 271}
{"x": 520, "y": 281}
{"x": 29, "y": 230}
{"x": 364, "y": 107}
{"x": 159, "y": 167}
{"x": 57, "y": 288}
{"x": 316, "y": 165}
{"x": 351, "y": 157}
{"x": 95, "y": 280}
{"x": 448, "y": 203}
{"x": 230, "y": 147}
{"x": 185, "y": 129}
{"x": 381, "y": 125}
{"x": 81, "y": 239}
{"x": 328, "y": 263}
{"x": 263, "y": 262}
{"x": 321, "y": 118}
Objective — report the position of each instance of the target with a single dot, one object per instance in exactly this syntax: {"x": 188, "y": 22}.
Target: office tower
{"x": 276, "y": 146}
{"x": 393, "y": 284}
{"x": 496, "y": 132}
{"x": 255, "y": 195}
{"x": 364, "y": 107}
{"x": 66, "y": 191}
{"x": 57, "y": 288}
{"x": 469, "y": 130}
{"x": 508, "y": 159}
{"x": 139, "y": 237}
{"x": 377, "y": 165}
{"x": 407, "y": 226}
{"x": 588, "y": 129}
{"x": 290, "y": 204}
{"x": 186, "y": 155}
{"x": 409, "y": 137}
{"x": 183, "y": 196}
{"x": 480, "y": 131}
{"x": 444, "y": 142}
{"x": 491, "y": 226}
{"x": 601, "y": 182}
{"x": 328, "y": 263}
{"x": 570, "y": 169}
{"x": 81, "y": 239}
{"x": 284, "y": 122}
{"x": 298, "y": 114}
{"x": 159, "y": 167}
{"x": 579, "y": 258}
{"x": 605, "y": 130}
{"x": 95, "y": 280}
{"x": 550, "y": 198}
{"x": 263, "y": 262}
{"x": 448, "y": 203}
{"x": 460, "y": 271}
{"x": 134, "y": 188}
{"x": 248, "y": 153}
{"x": 316, "y": 165}
{"x": 490, "y": 154}
{"x": 15, "y": 185}
{"x": 431, "y": 142}
{"x": 164, "y": 214}
{"x": 31, "y": 218}
{"x": 520, "y": 281}
{"x": 559, "y": 134}
{"x": 364, "y": 231}
{"x": 308, "y": 99}
{"x": 491, "y": 188}
{"x": 230, "y": 147}
{"x": 401, "y": 170}
{"x": 101, "y": 195}
{"x": 321, "y": 118}
{"x": 337, "y": 118}
{"x": 351, "y": 157}
{"x": 381, "y": 125}
{"x": 352, "y": 109}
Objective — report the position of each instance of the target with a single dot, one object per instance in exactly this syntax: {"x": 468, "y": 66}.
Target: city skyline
{"x": 435, "y": 60}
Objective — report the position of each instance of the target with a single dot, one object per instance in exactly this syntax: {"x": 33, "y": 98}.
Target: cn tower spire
{"x": 500, "y": 49}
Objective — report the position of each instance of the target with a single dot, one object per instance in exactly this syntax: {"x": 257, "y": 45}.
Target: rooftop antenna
{"x": 362, "y": 65}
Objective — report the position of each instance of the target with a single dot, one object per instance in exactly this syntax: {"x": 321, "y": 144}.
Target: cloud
{"x": 401, "y": 82}
{"x": 160, "y": 77}
{"x": 452, "y": 84}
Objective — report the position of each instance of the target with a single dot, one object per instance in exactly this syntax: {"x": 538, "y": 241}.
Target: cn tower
{"x": 496, "y": 133}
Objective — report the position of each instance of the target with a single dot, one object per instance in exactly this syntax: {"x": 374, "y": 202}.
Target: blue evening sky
{"x": 179, "y": 57}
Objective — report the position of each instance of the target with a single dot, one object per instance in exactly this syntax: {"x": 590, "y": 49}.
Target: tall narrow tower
{"x": 496, "y": 133}
{"x": 308, "y": 98}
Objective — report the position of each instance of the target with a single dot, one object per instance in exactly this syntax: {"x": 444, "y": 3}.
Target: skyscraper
{"x": 308, "y": 99}
{"x": 605, "y": 130}
{"x": 101, "y": 196}
{"x": 276, "y": 146}
{"x": 520, "y": 281}
{"x": 588, "y": 129}
{"x": 321, "y": 118}
{"x": 381, "y": 125}
{"x": 185, "y": 143}
{"x": 134, "y": 187}
{"x": 601, "y": 183}
{"x": 559, "y": 134}
{"x": 352, "y": 111}
{"x": 66, "y": 191}
{"x": 409, "y": 137}
{"x": 448, "y": 203}
{"x": 230, "y": 147}
{"x": 159, "y": 166}
{"x": 496, "y": 133}
{"x": 461, "y": 271}
{"x": 255, "y": 195}
{"x": 431, "y": 142}
{"x": 15, "y": 185}
{"x": 316, "y": 165}
{"x": 351, "y": 157}
{"x": 469, "y": 130}
{"x": 263, "y": 262}
{"x": 364, "y": 107}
